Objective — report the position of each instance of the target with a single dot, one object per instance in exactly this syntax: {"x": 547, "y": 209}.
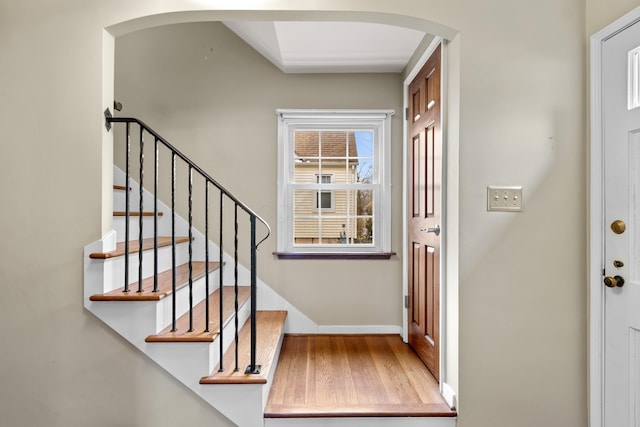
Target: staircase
{"x": 175, "y": 295}
{"x": 184, "y": 299}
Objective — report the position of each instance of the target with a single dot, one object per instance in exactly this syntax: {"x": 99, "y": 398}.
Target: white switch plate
{"x": 507, "y": 199}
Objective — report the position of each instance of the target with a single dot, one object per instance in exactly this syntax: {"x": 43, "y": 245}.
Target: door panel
{"x": 621, "y": 143}
{"x": 425, "y": 157}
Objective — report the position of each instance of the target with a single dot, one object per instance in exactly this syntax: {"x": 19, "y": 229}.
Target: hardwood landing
{"x": 352, "y": 376}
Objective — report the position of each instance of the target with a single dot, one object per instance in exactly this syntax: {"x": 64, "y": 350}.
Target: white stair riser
{"x": 117, "y": 265}
{"x": 228, "y": 332}
{"x": 164, "y": 312}
{"x": 120, "y": 222}
{"x": 120, "y": 201}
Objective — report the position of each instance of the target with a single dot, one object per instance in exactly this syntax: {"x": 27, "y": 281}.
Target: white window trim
{"x": 377, "y": 120}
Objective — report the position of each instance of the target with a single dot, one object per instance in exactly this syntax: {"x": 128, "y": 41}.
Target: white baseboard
{"x": 449, "y": 395}
{"x": 360, "y": 329}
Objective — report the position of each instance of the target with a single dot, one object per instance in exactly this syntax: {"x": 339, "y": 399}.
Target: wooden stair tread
{"x": 134, "y": 247}
{"x": 165, "y": 284}
{"x": 136, "y": 213}
{"x": 120, "y": 187}
{"x": 199, "y": 334}
{"x": 269, "y": 330}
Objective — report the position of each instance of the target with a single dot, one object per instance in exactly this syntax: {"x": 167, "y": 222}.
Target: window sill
{"x": 334, "y": 255}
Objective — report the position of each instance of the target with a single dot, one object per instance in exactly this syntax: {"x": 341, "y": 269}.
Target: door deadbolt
{"x": 618, "y": 226}
{"x": 618, "y": 264}
{"x": 615, "y": 281}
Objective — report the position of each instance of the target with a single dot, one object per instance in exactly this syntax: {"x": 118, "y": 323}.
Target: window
{"x": 334, "y": 181}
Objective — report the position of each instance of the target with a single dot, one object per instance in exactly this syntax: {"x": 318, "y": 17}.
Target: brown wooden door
{"x": 425, "y": 154}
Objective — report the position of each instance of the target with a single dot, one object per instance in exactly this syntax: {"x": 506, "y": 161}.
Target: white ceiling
{"x": 330, "y": 47}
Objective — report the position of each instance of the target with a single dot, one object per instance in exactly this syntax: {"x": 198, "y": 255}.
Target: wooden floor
{"x": 352, "y": 376}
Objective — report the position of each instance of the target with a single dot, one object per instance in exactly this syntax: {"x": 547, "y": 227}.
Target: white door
{"x": 621, "y": 150}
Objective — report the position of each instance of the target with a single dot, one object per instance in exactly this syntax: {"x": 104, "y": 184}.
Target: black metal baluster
{"x": 220, "y": 280}
{"x": 190, "y": 249}
{"x": 173, "y": 242}
{"x": 206, "y": 253}
{"x": 155, "y": 216}
{"x": 253, "y": 368}
{"x": 235, "y": 283}
{"x": 126, "y": 212}
{"x": 141, "y": 193}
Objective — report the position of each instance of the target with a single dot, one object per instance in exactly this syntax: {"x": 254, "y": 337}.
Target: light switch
{"x": 507, "y": 199}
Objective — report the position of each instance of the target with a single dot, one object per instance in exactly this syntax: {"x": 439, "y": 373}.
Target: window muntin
{"x": 334, "y": 184}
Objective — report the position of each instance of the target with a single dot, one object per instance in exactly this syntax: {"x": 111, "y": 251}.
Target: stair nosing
{"x": 135, "y": 213}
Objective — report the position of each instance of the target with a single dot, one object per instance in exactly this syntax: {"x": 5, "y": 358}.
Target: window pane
{"x": 364, "y": 222}
{"x": 365, "y": 160}
{"x": 306, "y": 145}
{"x": 364, "y": 230}
{"x": 306, "y": 231}
{"x": 364, "y": 144}
{"x": 334, "y": 144}
{"x": 304, "y": 202}
{"x": 305, "y": 173}
{"x": 364, "y": 201}
{"x": 344, "y": 174}
{"x": 334, "y": 230}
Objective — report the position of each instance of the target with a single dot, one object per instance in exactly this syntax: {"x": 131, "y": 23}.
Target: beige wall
{"x": 522, "y": 280}
{"x": 221, "y": 111}
{"x": 602, "y": 13}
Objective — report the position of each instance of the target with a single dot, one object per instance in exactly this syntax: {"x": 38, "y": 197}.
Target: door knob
{"x": 618, "y": 226}
{"x": 612, "y": 282}
{"x": 435, "y": 230}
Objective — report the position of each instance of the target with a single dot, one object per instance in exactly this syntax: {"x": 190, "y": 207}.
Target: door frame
{"x": 596, "y": 226}
{"x": 447, "y": 392}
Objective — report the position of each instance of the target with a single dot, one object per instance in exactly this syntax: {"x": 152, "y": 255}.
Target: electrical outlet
{"x": 507, "y": 199}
